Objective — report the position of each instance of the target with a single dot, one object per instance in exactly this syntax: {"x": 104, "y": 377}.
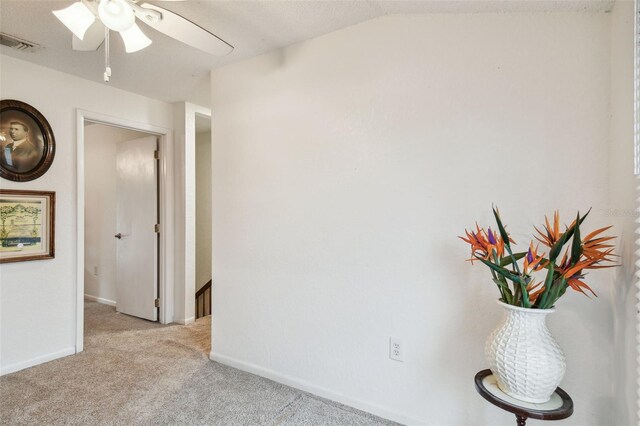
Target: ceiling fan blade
{"x": 93, "y": 38}
{"x": 183, "y": 30}
{"x": 134, "y": 39}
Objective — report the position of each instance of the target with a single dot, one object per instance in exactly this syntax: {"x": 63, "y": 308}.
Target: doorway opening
{"x": 121, "y": 212}
{"x": 203, "y": 237}
{"x": 112, "y": 214}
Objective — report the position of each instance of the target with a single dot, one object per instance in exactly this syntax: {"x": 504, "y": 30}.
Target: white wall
{"x": 622, "y": 211}
{"x": 203, "y": 208}
{"x": 100, "y": 208}
{"x": 182, "y": 268}
{"x": 49, "y": 287}
{"x": 344, "y": 167}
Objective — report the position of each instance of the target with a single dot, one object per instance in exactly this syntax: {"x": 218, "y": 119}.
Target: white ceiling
{"x": 171, "y": 71}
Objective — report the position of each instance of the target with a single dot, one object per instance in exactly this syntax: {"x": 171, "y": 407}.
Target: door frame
{"x": 165, "y": 202}
{"x": 185, "y": 115}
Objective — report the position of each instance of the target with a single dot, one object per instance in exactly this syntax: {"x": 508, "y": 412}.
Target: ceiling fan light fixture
{"x": 77, "y": 17}
{"x": 134, "y": 39}
{"x": 117, "y": 15}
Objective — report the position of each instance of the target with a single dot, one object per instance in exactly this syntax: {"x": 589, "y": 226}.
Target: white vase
{"x": 523, "y": 356}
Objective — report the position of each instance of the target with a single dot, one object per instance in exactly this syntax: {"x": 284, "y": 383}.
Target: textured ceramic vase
{"x": 524, "y": 357}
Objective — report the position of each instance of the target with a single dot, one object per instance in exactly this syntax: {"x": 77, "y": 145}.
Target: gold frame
{"x": 47, "y": 224}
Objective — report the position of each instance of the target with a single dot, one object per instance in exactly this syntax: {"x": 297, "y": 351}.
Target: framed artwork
{"x": 27, "y": 145}
{"x": 27, "y": 224}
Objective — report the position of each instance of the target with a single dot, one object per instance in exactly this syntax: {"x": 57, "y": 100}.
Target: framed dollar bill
{"x": 27, "y": 225}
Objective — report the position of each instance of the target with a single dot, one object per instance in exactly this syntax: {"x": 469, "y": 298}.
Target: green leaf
{"x": 502, "y": 271}
{"x": 559, "y": 287}
{"x": 503, "y": 232}
{"x": 543, "y": 298}
{"x": 501, "y": 284}
{"x": 508, "y": 260}
{"x": 557, "y": 247}
{"x": 576, "y": 246}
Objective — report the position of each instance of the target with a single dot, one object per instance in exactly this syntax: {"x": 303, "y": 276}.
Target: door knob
{"x": 118, "y": 236}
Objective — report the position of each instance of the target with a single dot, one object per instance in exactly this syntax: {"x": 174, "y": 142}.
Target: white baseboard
{"x": 185, "y": 321}
{"x": 36, "y": 361}
{"x": 100, "y": 300}
{"x": 375, "y": 409}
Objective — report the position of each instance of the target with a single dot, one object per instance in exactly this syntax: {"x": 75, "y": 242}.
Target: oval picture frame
{"x": 27, "y": 145}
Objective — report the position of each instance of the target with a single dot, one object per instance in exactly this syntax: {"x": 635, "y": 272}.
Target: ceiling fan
{"x": 90, "y": 21}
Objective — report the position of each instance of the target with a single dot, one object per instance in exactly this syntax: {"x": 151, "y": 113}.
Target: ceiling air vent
{"x": 18, "y": 44}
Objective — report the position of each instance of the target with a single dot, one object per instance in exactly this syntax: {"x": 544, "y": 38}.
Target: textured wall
{"x": 48, "y": 287}
{"x": 622, "y": 212}
{"x": 344, "y": 168}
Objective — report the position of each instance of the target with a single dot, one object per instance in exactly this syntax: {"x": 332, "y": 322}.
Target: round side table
{"x": 560, "y": 406}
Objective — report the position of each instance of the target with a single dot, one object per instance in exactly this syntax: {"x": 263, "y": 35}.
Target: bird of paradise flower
{"x": 517, "y": 285}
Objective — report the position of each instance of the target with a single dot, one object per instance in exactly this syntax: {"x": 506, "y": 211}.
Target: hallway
{"x": 139, "y": 372}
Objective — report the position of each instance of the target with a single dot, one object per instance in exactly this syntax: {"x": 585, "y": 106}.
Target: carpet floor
{"x": 136, "y": 372}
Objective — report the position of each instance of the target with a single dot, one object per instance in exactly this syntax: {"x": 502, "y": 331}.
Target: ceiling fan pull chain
{"x": 107, "y": 68}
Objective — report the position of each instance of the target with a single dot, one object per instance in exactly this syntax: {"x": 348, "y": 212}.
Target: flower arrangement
{"x": 516, "y": 283}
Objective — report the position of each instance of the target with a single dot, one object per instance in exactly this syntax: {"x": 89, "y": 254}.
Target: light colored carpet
{"x": 137, "y": 372}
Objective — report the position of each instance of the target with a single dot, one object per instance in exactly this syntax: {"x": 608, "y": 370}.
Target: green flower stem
{"x": 548, "y": 283}
{"x": 525, "y": 296}
{"x": 513, "y": 259}
{"x": 495, "y": 280}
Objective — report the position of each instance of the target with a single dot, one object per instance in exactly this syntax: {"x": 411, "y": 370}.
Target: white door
{"x": 137, "y": 215}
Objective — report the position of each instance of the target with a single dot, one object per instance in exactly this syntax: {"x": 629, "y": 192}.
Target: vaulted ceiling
{"x": 171, "y": 71}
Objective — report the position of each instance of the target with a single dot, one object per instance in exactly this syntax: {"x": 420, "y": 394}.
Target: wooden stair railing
{"x": 203, "y": 301}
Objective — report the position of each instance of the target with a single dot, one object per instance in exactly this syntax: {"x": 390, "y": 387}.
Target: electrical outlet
{"x": 396, "y": 349}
